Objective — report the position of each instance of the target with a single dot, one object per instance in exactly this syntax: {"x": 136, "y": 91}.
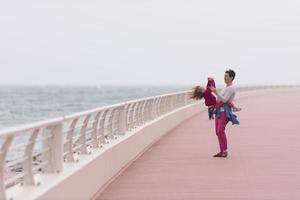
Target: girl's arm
{"x": 210, "y": 83}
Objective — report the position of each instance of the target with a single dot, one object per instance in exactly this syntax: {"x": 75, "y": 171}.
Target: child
{"x": 210, "y": 99}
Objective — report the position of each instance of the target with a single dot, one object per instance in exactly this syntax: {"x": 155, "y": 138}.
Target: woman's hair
{"x": 197, "y": 93}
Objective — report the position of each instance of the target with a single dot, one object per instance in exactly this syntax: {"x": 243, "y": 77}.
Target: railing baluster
{"x": 95, "y": 143}
{"x": 4, "y": 150}
{"x": 135, "y": 114}
{"x": 101, "y": 128}
{"x": 147, "y": 111}
{"x": 55, "y": 156}
{"x": 114, "y": 123}
{"x": 108, "y": 126}
{"x": 144, "y": 112}
{"x": 140, "y": 113}
{"x": 69, "y": 144}
{"x": 131, "y": 116}
{"x": 82, "y": 140}
{"x": 152, "y": 109}
{"x": 27, "y": 164}
{"x": 122, "y": 120}
{"x": 127, "y": 119}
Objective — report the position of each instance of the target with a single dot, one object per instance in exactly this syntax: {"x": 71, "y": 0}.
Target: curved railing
{"x": 43, "y": 147}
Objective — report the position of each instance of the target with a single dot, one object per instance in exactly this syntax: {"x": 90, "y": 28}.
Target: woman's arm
{"x": 231, "y": 104}
{"x": 226, "y": 96}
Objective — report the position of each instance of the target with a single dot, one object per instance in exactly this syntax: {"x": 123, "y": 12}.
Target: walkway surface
{"x": 263, "y": 162}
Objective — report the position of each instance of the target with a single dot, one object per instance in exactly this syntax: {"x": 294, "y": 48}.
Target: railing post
{"x": 56, "y": 149}
{"x": 163, "y": 105}
{"x": 82, "y": 140}
{"x": 147, "y": 111}
{"x": 142, "y": 113}
{"x": 152, "y": 109}
{"x": 130, "y": 116}
{"x": 28, "y": 163}
{"x": 138, "y": 114}
{"x": 127, "y": 114}
{"x": 122, "y": 120}
{"x": 3, "y": 154}
{"x": 69, "y": 144}
{"x": 101, "y": 127}
{"x": 59, "y": 148}
{"x": 95, "y": 142}
{"x": 135, "y": 114}
{"x": 109, "y": 124}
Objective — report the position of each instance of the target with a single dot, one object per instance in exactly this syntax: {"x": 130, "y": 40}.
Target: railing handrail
{"x": 164, "y": 95}
{"x": 25, "y": 127}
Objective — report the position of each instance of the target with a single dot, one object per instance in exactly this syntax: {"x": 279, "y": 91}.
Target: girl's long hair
{"x": 197, "y": 93}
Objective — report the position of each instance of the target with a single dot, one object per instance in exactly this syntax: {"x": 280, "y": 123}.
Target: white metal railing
{"x": 43, "y": 147}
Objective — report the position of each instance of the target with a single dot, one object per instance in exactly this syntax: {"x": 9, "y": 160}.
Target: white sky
{"x": 117, "y": 42}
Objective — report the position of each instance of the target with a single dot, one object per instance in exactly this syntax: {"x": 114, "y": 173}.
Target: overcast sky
{"x": 152, "y": 42}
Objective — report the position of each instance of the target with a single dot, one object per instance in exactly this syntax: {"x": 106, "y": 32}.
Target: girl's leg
{"x": 210, "y": 112}
{"x": 231, "y": 104}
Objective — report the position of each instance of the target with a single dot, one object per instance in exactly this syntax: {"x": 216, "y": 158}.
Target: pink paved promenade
{"x": 263, "y": 162}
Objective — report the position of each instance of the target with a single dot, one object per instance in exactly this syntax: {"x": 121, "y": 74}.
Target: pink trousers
{"x": 220, "y": 125}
